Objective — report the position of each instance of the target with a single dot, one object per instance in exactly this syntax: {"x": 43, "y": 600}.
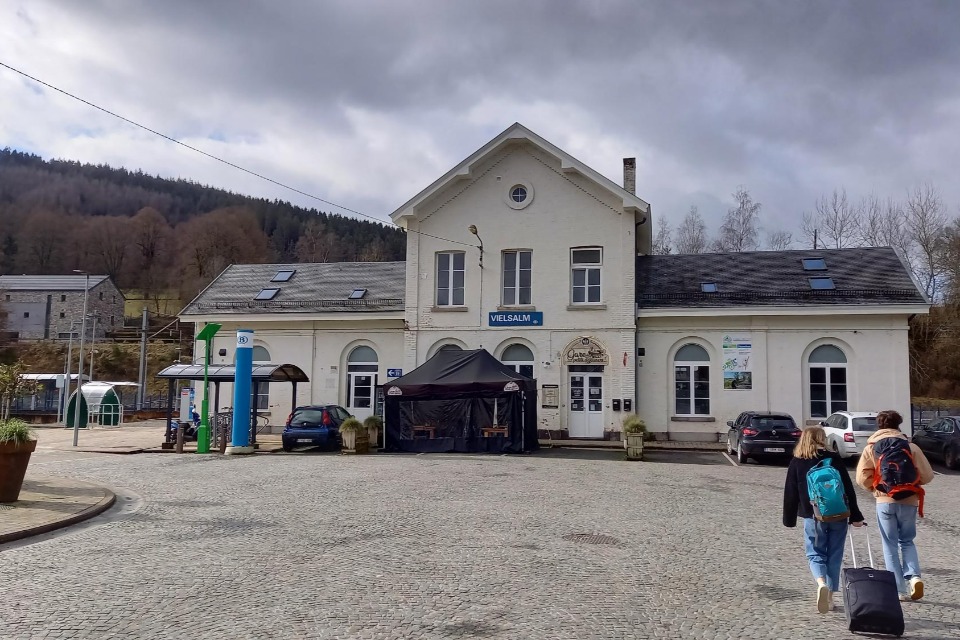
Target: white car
{"x": 848, "y": 431}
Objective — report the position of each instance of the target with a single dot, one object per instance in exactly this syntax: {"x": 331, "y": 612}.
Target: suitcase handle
{"x": 853, "y": 551}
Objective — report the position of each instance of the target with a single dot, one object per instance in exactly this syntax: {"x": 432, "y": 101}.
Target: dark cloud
{"x": 789, "y": 98}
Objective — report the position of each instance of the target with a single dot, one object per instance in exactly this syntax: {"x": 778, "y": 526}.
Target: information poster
{"x": 737, "y": 353}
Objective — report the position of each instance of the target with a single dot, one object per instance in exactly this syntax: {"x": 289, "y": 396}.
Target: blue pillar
{"x": 240, "y": 442}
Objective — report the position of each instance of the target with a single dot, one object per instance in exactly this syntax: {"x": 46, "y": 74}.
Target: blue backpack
{"x": 825, "y": 489}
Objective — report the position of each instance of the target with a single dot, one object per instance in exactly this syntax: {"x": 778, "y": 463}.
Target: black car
{"x": 940, "y": 440}
{"x": 762, "y": 434}
{"x": 314, "y": 426}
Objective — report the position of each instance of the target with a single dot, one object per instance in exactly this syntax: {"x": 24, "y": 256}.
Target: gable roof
{"x": 512, "y": 134}
{"x": 49, "y": 283}
{"x": 874, "y": 275}
{"x": 314, "y": 288}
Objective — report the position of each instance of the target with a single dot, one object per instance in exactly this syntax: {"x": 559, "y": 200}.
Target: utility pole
{"x": 83, "y": 331}
{"x": 93, "y": 341}
{"x": 142, "y": 378}
{"x": 65, "y": 388}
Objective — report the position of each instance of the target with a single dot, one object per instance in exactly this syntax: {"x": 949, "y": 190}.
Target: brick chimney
{"x": 630, "y": 175}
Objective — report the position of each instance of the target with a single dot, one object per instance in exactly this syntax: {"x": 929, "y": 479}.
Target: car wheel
{"x": 836, "y": 447}
{"x": 741, "y": 456}
{"x": 729, "y": 446}
{"x": 951, "y": 458}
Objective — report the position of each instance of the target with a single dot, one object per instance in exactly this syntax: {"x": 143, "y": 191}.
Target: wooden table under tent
{"x": 462, "y": 401}
{"x": 101, "y": 404}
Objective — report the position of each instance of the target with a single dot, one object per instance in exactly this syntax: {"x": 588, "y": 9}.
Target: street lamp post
{"x": 93, "y": 342}
{"x": 203, "y": 434}
{"x": 83, "y": 331}
{"x": 64, "y": 395}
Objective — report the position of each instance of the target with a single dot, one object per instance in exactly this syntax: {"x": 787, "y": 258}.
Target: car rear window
{"x": 307, "y": 416}
{"x": 772, "y": 422}
{"x": 864, "y": 424}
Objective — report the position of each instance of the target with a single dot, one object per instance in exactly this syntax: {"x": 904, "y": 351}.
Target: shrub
{"x": 373, "y": 422}
{"x": 350, "y": 424}
{"x": 634, "y": 424}
{"x": 15, "y": 431}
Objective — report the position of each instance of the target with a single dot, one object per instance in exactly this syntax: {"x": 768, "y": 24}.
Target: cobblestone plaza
{"x": 554, "y": 545}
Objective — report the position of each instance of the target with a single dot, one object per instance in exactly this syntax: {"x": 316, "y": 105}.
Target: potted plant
{"x": 635, "y": 431}
{"x": 374, "y": 425}
{"x": 354, "y": 436}
{"x": 16, "y": 445}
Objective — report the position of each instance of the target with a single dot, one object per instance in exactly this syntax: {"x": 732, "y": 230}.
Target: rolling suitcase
{"x": 870, "y": 598}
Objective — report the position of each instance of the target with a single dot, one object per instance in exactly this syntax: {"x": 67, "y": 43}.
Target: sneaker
{"x": 904, "y": 597}
{"x": 823, "y": 598}
{"x": 916, "y": 588}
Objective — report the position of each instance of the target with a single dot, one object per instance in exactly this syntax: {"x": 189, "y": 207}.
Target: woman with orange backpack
{"x": 894, "y": 470}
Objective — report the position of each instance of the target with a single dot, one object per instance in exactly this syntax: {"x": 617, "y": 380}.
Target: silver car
{"x": 848, "y": 431}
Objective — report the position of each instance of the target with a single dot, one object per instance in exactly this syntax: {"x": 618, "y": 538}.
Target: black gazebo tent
{"x": 465, "y": 401}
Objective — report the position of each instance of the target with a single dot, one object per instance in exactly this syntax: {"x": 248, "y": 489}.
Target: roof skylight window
{"x": 708, "y": 287}
{"x": 814, "y": 264}
{"x": 283, "y": 275}
{"x": 822, "y": 283}
{"x": 267, "y": 294}
{"x": 357, "y": 294}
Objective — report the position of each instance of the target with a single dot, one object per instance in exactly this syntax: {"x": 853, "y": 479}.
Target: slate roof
{"x": 764, "y": 278}
{"x": 48, "y": 283}
{"x": 314, "y": 288}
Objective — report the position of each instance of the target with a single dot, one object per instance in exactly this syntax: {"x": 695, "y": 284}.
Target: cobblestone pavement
{"x": 442, "y": 546}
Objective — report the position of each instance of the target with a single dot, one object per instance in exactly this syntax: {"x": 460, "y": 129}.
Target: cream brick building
{"x": 526, "y": 252}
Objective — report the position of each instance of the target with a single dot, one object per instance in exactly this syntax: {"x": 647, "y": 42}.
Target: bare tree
{"x": 692, "y": 233}
{"x": 779, "y": 240}
{"x": 740, "y": 230}
{"x": 317, "y": 244}
{"x": 927, "y": 221}
{"x": 663, "y": 243}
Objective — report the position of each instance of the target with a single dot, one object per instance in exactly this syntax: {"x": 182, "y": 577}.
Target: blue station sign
{"x": 394, "y": 373}
{"x": 516, "y": 319}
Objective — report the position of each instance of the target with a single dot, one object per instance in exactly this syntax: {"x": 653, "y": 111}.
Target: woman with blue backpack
{"x": 819, "y": 490}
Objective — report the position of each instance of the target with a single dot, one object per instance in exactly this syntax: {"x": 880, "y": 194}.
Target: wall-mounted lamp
{"x": 473, "y": 229}
{"x": 222, "y": 352}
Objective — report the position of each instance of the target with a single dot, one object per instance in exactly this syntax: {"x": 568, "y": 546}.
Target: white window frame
{"x": 586, "y": 268}
{"x": 692, "y": 396}
{"x": 515, "y": 285}
{"x": 448, "y": 286}
{"x": 833, "y": 405}
{"x": 516, "y": 364}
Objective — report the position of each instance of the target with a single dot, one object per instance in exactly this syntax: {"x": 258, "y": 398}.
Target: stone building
{"x": 43, "y": 307}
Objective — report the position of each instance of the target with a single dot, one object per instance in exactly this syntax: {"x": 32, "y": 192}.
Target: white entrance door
{"x": 360, "y": 400}
{"x": 585, "y": 404}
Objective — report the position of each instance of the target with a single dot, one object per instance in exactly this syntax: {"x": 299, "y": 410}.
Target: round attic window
{"x": 519, "y": 195}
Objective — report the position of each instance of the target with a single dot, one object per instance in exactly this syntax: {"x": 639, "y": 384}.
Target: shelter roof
{"x": 49, "y": 283}
{"x": 310, "y": 288}
{"x": 226, "y": 373}
{"x": 519, "y": 133}
{"x": 874, "y": 275}
{"x": 459, "y": 373}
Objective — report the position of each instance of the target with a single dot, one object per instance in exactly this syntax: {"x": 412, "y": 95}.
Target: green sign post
{"x": 203, "y": 434}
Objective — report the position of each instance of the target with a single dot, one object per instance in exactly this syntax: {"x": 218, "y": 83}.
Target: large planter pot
{"x": 373, "y": 437}
{"x": 634, "y": 445}
{"x": 349, "y": 439}
{"x": 356, "y": 442}
{"x": 14, "y": 459}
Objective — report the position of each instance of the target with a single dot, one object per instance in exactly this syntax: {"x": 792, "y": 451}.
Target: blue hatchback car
{"x": 314, "y": 426}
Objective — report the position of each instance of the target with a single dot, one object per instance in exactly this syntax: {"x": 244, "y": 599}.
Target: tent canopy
{"x": 466, "y": 401}
{"x": 459, "y": 374}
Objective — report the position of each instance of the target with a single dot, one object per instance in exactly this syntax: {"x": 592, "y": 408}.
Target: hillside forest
{"x": 157, "y": 235}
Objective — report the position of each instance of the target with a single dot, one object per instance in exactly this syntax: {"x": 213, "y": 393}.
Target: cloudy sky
{"x": 364, "y": 103}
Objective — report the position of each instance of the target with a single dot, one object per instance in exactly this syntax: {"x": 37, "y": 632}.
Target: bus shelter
{"x": 217, "y": 374}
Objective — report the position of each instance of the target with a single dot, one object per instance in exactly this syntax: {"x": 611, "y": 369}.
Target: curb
{"x": 105, "y": 503}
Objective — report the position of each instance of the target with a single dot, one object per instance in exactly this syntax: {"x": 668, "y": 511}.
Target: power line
{"x": 213, "y": 157}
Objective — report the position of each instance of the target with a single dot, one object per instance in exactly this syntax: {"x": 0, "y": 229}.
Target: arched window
{"x": 449, "y": 347}
{"x": 362, "y": 366}
{"x": 691, "y": 368}
{"x": 262, "y": 401}
{"x": 519, "y": 358}
{"x": 828, "y": 381}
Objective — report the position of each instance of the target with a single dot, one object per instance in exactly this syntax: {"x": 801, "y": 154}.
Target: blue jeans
{"x": 824, "y": 542}
{"x": 898, "y": 528}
